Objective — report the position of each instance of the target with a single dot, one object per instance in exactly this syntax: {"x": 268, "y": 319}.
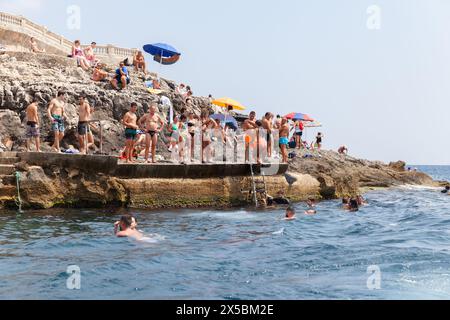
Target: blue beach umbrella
{"x": 163, "y": 53}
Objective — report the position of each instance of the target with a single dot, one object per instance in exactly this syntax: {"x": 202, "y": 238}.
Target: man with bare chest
{"x": 56, "y": 114}
{"x": 33, "y": 126}
{"x": 85, "y": 137}
{"x": 131, "y": 128}
{"x": 151, "y": 124}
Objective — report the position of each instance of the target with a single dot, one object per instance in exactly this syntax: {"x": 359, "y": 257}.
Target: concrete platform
{"x": 6, "y": 169}
{"x": 9, "y": 160}
{"x": 109, "y": 166}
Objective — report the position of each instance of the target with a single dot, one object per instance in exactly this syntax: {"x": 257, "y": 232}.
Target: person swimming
{"x": 353, "y": 205}
{"x": 446, "y": 190}
{"x": 126, "y": 228}
{"x": 311, "y": 203}
{"x": 290, "y": 214}
{"x": 361, "y": 201}
{"x": 310, "y": 212}
{"x": 346, "y": 203}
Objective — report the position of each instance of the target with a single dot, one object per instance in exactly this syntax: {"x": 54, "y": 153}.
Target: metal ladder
{"x": 259, "y": 187}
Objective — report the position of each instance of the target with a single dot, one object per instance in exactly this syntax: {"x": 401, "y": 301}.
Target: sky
{"x": 377, "y": 80}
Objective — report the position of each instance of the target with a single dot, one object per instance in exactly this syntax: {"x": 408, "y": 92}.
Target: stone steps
{"x": 8, "y": 154}
{"x": 9, "y": 160}
{"x": 7, "y": 180}
{"x": 7, "y": 169}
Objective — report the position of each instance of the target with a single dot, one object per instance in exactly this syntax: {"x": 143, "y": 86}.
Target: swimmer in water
{"x": 290, "y": 214}
{"x": 361, "y": 201}
{"x": 124, "y": 228}
{"x": 446, "y": 190}
{"x": 311, "y": 203}
{"x": 310, "y": 212}
{"x": 346, "y": 204}
{"x": 353, "y": 205}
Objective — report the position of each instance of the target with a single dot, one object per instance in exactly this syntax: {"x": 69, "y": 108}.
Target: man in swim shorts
{"x": 284, "y": 139}
{"x": 151, "y": 124}
{"x": 131, "y": 128}
{"x": 33, "y": 126}
{"x": 126, "y": 228}
{"x": 267, "y": 124}
{"x": 56, "y": 114}
{"x": 250, "y": 128}
{"x": 85, "y": 137}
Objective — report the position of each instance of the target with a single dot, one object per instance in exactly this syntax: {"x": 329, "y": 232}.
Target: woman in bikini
{"x": 78, "y": 53}
{"x": 207, "y": 125}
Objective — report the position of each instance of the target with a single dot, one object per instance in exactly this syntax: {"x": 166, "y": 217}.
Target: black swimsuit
{"x": 151, "y": 133}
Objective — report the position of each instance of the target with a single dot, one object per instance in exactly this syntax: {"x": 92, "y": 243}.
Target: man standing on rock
{"x": 131, "y": 128}
{"x": 56, "y": 114}
{"x": 284, "y": 139}
{"x": 85, "y": 137}
{"x": 151, "y": 124}
{"x": 33, "y": 126}
{"x": 249, "y": 125}
{"x": 267, "y": 124}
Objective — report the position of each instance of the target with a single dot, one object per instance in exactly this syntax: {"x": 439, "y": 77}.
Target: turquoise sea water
{"x": 238, "y": 254}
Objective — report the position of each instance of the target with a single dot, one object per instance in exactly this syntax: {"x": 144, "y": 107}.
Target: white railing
{"x": 25, "y": 26}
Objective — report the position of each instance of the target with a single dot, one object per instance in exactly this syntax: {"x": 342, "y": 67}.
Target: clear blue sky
{"x": 384, "y": 93}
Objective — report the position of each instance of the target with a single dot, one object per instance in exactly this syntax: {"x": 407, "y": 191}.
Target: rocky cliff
{"x": 25, "y": 75}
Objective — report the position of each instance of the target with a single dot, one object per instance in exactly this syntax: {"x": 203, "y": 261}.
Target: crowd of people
{"x": 180, "y": 130}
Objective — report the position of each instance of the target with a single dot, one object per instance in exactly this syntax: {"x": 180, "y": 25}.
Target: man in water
{"x": 55, "y": 112}
{"x": 131, "y": 128}
{"x": 126, "y": 228}
{"x": 151, "y": 124}
{"x": 249, "y": 125}
{"x": 284, "y": 139}
{"x": 84, "y": 130}
{"x": 353, "y": 205}
{"x": 446, "y": 190}
{"x": 311, "y": 203}
{"x": 290, "y": 214}
{"x": 33, "y": 126}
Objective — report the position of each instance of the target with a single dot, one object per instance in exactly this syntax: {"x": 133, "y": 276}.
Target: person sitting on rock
{"x": 343, "y": 150}
{"x": 122, "y": 77}
{"x": 34, "y": 46}
{"x": 90, "y": 56}
{"x": 78, "y": 53}
{"x": 181, "y": 89}
{"x": 126, "y": 228}
{"x": 99, "y": 74}
{"x": 139, "y": 63}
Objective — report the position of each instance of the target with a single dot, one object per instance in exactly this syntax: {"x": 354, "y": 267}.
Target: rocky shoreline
{"x": 324, "y": 177}
{"x": 23, "y": 76}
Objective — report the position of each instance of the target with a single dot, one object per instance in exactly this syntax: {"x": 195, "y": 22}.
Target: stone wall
{"x": 15, "y": 33}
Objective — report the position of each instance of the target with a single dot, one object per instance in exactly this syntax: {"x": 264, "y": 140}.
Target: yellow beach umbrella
{"x": 228, "y": 102}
